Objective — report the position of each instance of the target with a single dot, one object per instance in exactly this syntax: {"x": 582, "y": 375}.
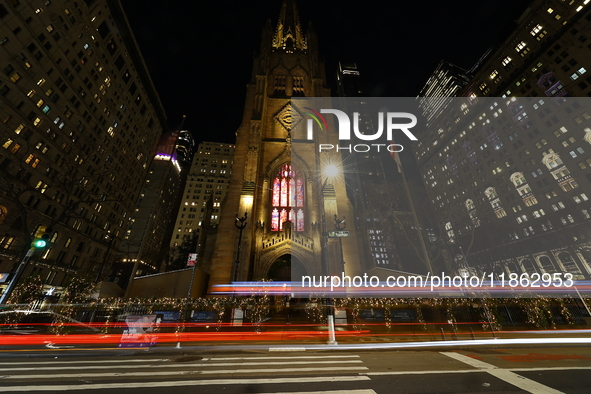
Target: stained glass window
{"x": 287, "y": 199}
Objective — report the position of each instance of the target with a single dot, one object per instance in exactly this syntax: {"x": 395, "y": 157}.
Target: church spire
{"x": 288, "y": 35}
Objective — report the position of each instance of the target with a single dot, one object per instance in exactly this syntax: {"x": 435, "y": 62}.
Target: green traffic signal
{"x": 40, "y": 243}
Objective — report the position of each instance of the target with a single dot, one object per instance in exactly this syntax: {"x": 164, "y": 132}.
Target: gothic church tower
{"x": 279, "y": 189}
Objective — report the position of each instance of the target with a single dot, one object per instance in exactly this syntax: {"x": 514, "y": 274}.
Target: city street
{"x": 551, "y": 369}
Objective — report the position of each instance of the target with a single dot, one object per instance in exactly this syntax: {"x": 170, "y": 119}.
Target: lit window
{"x": 7, "y": 143}
{"x": 520, "y": 46}
{"x": 19, "y": 128}
{"x": 535, "y": 30}
{"x": 287, "y": 199}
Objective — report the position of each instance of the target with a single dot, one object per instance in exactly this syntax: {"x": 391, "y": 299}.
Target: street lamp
{"x": 329, "y": 171}
{"x": 240, "y": 224}
{"x": 340, "y": 225}
{"x": 109, "y": 238}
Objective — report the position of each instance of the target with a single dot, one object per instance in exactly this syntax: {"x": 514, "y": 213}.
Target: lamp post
{"x": 340, "y": 225}
{"x": 330, "y": 171}
{"x": 240, "y": 224}
{"x": 109, "y": 238}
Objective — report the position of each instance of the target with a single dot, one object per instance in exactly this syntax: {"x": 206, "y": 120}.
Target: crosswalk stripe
{"x": 183, "y": 365}
{"x": 287, "y": 349}
{"x": 128, "y": 385}
{"x": 158, "y": 360}
{"x": 281, "y": 357}
{"x": 367, "y": 391}
{"x": 154, "y": 360}
{"x": 171, "y": 373}
{"x": 522, "y": 382}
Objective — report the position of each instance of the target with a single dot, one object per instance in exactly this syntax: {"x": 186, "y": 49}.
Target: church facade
{"x": 279, "y": 180}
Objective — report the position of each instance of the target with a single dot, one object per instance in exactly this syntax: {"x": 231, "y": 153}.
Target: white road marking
{"x": 154, "y": 360}
{"x": 148, "y": 385}
{"x": 469, "y": 360}
{"x": 171, "y": 373}
{"x": 281, "y": 357}
{"x": 544, "y": 369}
{"x": 508, "y": 376}
{"x": 418, "y": 372}
{"x": 533, "y": 369}
{"x": 369, "y": 391}
{"x": 178, "y": 366}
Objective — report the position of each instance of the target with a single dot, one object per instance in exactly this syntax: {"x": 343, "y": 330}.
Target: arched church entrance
{"x": 287, "y": 309}
{"x": 281, "y": 270}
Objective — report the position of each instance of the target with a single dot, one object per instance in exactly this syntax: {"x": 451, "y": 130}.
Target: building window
{"x": 471, "y": 208}
{"x": 298, "y": 85}
{"x": 280, "y": 84}
{"x": 287, "y": 198}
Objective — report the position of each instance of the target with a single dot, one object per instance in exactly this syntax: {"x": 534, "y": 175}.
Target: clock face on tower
{"x": 288, "y": 117}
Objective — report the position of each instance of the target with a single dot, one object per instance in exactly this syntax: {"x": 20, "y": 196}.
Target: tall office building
{"x": 80, "y": 123}
{"x": 446, "y": 81}
{"x": 383, "y": 213}
{"x": 208, "y": 179}
{"x": 349, "y": 83}
{"x": 507, "y": 167}
{"x": 143, "y": 247}
{"x": 185, "y": 147}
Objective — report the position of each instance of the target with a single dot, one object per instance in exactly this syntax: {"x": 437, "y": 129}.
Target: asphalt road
{"x": 551, "y": 369}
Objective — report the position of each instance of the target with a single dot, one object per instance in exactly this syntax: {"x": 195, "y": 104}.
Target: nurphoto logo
{"x": 390, "y": 119}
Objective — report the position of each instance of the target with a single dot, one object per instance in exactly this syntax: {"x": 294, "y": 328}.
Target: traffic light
{"x": 41, "y": 238}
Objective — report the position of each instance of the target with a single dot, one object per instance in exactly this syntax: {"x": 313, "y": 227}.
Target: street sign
{"x": 192, "y": 260}
{"x": 339, "y": 234}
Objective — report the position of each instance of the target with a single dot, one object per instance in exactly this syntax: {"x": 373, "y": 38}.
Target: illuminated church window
{"x": 287, "y": 199}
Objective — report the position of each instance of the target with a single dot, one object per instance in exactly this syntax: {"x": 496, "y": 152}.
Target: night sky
{"x": 199, "y": 53}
